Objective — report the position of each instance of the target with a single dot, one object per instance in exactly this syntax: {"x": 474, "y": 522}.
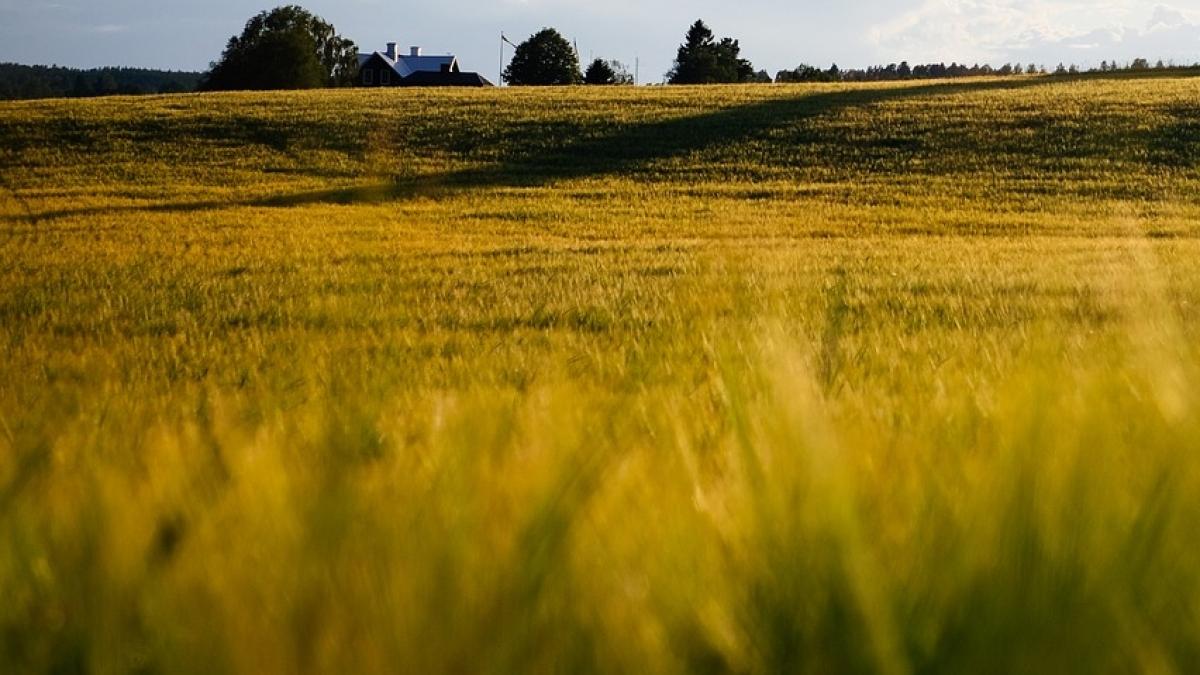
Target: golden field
{"x": 895, "y": 378}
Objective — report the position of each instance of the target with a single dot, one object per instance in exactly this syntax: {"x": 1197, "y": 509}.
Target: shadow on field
{"x": 635, "y": 149}
{"x": 625, "y": 150}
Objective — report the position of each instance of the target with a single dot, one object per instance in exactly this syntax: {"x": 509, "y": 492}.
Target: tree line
{"x": 903, "y": 71}
{"x": 30, "y": 82}
{"x": 291, "y": 48}
{"x": 547, "y": 58}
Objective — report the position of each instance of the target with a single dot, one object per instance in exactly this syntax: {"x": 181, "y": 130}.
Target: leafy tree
{"x": 546, "y": 58}
{"x": 624, "y": 77}
{"x": 285, "y": 48}
{"x": 703, "y": 60}
{"x": 607, "y": 72}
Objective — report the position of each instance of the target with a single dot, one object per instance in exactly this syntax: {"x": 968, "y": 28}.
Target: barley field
{"x": 898, "y": 378}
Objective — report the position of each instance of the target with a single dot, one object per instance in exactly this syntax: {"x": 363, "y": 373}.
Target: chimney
{"x": 391, "y": 51}
{"x": 416, "y": 51}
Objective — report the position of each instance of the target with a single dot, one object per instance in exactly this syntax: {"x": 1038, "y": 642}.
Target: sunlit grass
{"x": 895, "y": 378}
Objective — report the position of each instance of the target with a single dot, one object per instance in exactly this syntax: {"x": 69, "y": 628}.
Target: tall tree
{"x": 285, "y": 48}
{"x": 701, "y": 59}
{"x": 546, "y": 58}
{"x": 696, "y": 60}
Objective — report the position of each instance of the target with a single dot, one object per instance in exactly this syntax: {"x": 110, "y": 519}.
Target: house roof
{"x": 425, "y": 64}
{"x": 407, "y": 65}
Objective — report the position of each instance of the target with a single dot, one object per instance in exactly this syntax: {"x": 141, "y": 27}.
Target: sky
{"x": 189, "y": 34}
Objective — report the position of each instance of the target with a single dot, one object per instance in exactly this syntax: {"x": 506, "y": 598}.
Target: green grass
{"x": 892, "y": 379}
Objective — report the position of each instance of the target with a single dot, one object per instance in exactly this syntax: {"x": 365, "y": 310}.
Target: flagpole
{"x": 503, "y": 40}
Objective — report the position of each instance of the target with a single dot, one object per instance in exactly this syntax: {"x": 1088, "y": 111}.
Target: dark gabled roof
{"x": 429, "y": 79}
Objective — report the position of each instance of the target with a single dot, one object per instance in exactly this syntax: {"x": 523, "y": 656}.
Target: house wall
{"x": 370, "y": 76}
{"x": 376, "y": 73}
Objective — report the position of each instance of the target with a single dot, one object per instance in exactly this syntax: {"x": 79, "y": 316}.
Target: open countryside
{"x": 841, "y": 377}
{"x": 852, "y": 376}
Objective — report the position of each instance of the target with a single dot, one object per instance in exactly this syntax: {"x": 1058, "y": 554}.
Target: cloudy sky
{"x": 188, "y": 34}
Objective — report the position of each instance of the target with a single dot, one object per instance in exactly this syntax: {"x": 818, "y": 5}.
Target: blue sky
{"x": 188, "y": 34}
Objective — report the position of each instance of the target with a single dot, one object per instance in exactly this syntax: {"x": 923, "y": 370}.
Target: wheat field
{"x": 897, "y": 378}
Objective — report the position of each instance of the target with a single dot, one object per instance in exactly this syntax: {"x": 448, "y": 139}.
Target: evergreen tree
{"x": 703, "y": 60}
{"x": 106, "y": 84}
{"x": 696, "y": 59}
{"x": 81, "y": 88}
{"x": 599, "y": 72}
{"x": 731, "y": 67}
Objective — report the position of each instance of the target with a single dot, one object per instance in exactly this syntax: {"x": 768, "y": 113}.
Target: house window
{"x": 367, "y": 79}
{"x": 385, "y": 77}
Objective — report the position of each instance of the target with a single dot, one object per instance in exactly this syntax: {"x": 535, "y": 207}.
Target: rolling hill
{"x": 885, "y": 378}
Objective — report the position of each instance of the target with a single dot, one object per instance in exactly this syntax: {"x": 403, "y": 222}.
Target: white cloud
{"x": 1167, "y": 17}
{"x": 1049, "y": 30}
